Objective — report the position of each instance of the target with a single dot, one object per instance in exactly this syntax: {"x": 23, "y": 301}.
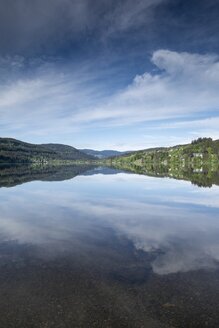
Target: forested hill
{"x": 197, "y": 162}
{"x": 200, "y": 151}
{"x": 16, "y": 151}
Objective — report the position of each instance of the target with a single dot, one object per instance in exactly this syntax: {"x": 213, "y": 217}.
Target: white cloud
{"x": 126, "y": 16}
{"x": 185, "y": 84}
{"x": 182, "y": 86}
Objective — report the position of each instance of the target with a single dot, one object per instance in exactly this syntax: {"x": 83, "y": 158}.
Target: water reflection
{"x": 177, "y": 222}
{"x": 205, "y": 176}
{"x": 117, "y": 229}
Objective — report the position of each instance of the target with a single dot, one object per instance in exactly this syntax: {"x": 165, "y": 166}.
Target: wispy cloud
{"x": 126, "y": 16}
{"x": 181, "y": 86}
{"x": 47, "y": 27}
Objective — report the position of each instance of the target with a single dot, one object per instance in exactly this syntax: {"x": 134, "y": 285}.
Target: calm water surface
{"x": 107, "y": 248}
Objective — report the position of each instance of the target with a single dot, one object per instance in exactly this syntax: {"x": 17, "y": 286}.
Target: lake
{"x": 99, "y": 247}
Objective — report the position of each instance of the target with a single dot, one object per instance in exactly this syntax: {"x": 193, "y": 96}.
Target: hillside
{"x": 67, "y": 152}
{"x": 197, "y": 162}
{"x": 200, "y": 150}
{"x": 16, "y": 151}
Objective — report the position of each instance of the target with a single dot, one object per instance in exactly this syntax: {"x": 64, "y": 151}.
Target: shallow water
{"x": 97, "y": 247}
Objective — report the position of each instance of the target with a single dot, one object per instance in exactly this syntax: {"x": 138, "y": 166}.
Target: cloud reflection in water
{"x": 176, "y": 221}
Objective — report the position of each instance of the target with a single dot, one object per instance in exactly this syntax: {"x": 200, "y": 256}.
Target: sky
{"x": 109, "y": 74}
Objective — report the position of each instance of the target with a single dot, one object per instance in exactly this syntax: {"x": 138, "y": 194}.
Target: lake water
{"x": 97, "y": 247}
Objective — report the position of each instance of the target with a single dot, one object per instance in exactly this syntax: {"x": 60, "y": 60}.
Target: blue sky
{"x": 109, "y": 74}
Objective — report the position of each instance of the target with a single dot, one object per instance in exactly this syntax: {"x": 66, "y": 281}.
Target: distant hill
{"x": 16, "y": 151}
{"x": 67, "y": 152}
{"x": 201, "y": 155}
{"x": 197, "y": 162}
{"x": 102, "y": 153}
{"x": 200, "y": 145}
{"x": 203, "y": 149}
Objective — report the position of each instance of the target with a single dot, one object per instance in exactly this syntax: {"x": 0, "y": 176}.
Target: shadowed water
{"x": 98, "y": 247}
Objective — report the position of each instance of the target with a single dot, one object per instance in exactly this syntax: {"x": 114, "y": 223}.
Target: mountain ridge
{"x": 16, "y": 151}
